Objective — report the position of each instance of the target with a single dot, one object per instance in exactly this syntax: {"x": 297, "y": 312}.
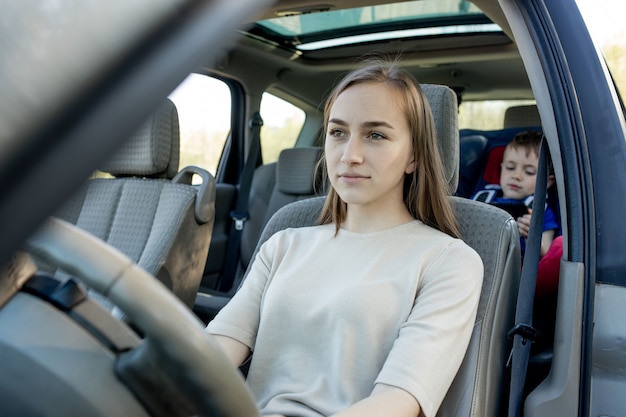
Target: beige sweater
{"x": 328, "y": 317}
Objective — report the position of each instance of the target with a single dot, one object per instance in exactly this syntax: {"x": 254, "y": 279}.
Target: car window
{"x": 486, "y": 114}
{"x": 606, "y": 27}
{"x": 404, "y": 19}
{"x": 204, "y": 107}
{"x": 282, "y": 123}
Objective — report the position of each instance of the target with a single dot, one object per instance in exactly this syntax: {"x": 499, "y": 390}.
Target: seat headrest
{"x": 443, "y": 103}
{"x": 295, "y": 168}
{"x": 522, "y": 116}
{"x": 153, "y": 150}
{"x": 472, "y": 148}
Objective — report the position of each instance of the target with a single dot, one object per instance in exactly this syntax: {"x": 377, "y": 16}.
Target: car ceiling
{"x": 485, "y": 66}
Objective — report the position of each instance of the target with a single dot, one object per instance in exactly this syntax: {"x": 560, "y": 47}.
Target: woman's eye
{"x": 336, "y": 133}
{"x": 376, "y": 136}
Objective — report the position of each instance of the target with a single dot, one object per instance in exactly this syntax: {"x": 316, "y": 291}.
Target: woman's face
{"x": 368, "y": 146}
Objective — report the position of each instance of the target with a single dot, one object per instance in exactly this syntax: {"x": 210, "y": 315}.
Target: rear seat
{"x": 482, "y": 150}
{"x": 472, "y": 150}
{"x": 273, "y": 186}
{"x": 481, "y": 156}
{"x": 522, "y": 116}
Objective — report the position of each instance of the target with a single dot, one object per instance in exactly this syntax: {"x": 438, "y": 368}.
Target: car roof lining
{"x": 462, "y": 62}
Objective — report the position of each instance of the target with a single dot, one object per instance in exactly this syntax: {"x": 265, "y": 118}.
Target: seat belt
{"x": 523, "y": 333}
{"x": 240, "y": 214}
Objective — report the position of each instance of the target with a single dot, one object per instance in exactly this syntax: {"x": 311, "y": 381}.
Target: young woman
{"x": 370, "y": 312}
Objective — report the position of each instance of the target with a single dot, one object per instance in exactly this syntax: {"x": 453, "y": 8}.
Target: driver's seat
{"x": 480, "y": 384}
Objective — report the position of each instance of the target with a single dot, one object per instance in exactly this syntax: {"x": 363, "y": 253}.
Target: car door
{"x": 584, "y": 122}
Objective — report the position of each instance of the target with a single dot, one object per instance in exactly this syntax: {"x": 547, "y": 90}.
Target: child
{"x": 517, "y": 185}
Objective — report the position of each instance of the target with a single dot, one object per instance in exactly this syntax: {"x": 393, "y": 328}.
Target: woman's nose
{"x": 352, "y": 151}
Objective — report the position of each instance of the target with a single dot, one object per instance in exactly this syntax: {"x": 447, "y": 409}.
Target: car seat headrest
{"x": 520, "y": 116}
{"x": 153, "y": 150}
{"x": 491, "y": 173}
{"x": 443, "y": 104}
{"x": 295, "y": 170}
{"x": 472, "y": 161}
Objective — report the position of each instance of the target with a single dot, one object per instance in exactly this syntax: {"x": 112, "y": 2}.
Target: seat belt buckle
{"x": 527, "y": 332}
{"x": 239, "y": 219}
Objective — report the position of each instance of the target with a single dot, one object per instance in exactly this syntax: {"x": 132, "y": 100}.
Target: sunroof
{"x": 311, "y": 31}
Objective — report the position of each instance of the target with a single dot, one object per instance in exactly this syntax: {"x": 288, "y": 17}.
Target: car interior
{"x": 198, "y": 228}
{"x": 484, "y": 66}
{"x": 149, "y": 209}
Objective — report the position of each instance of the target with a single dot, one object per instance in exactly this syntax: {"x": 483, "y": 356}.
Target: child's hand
{"x": 523, "y": 224}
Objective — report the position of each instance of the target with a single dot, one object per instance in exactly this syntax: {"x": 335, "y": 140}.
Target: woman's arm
{"x": 385, "y": 400}
{"x": 236, "y": 351}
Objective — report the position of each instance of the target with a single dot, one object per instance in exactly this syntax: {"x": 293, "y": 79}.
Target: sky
{"x": 196, "y": 100}
{"x": 604, "y": 18}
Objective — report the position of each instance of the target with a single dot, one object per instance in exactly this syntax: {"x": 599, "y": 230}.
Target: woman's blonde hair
{"x": 425, "y": 190}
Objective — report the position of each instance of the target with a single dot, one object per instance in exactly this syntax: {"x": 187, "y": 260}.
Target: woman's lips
{"x": 352, "y": 178}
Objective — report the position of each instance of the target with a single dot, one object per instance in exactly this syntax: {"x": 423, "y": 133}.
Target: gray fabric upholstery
{"x": 443, "y": 104}
{"x": 158, "y": 223}
{"x": 522, "y": 116}
{"x": 479, "y": 384}
{"x": 274, "y": 186}
{"x": 295, "y": 170}
{"x": 153, "y": 150}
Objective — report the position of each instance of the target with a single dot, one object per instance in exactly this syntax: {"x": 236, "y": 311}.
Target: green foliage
{"x": 276, "y": 138}
{"x": 486, "y": 115}
{"x": 202, "y": 147}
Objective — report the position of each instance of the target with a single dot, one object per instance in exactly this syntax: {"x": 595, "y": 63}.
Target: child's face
{"x": 519, "y": 173}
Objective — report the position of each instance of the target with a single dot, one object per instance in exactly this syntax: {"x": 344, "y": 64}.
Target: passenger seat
{"x": 149, "y": 211}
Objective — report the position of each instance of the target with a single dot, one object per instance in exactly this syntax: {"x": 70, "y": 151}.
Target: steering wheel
{"x": 173, "y": 335}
